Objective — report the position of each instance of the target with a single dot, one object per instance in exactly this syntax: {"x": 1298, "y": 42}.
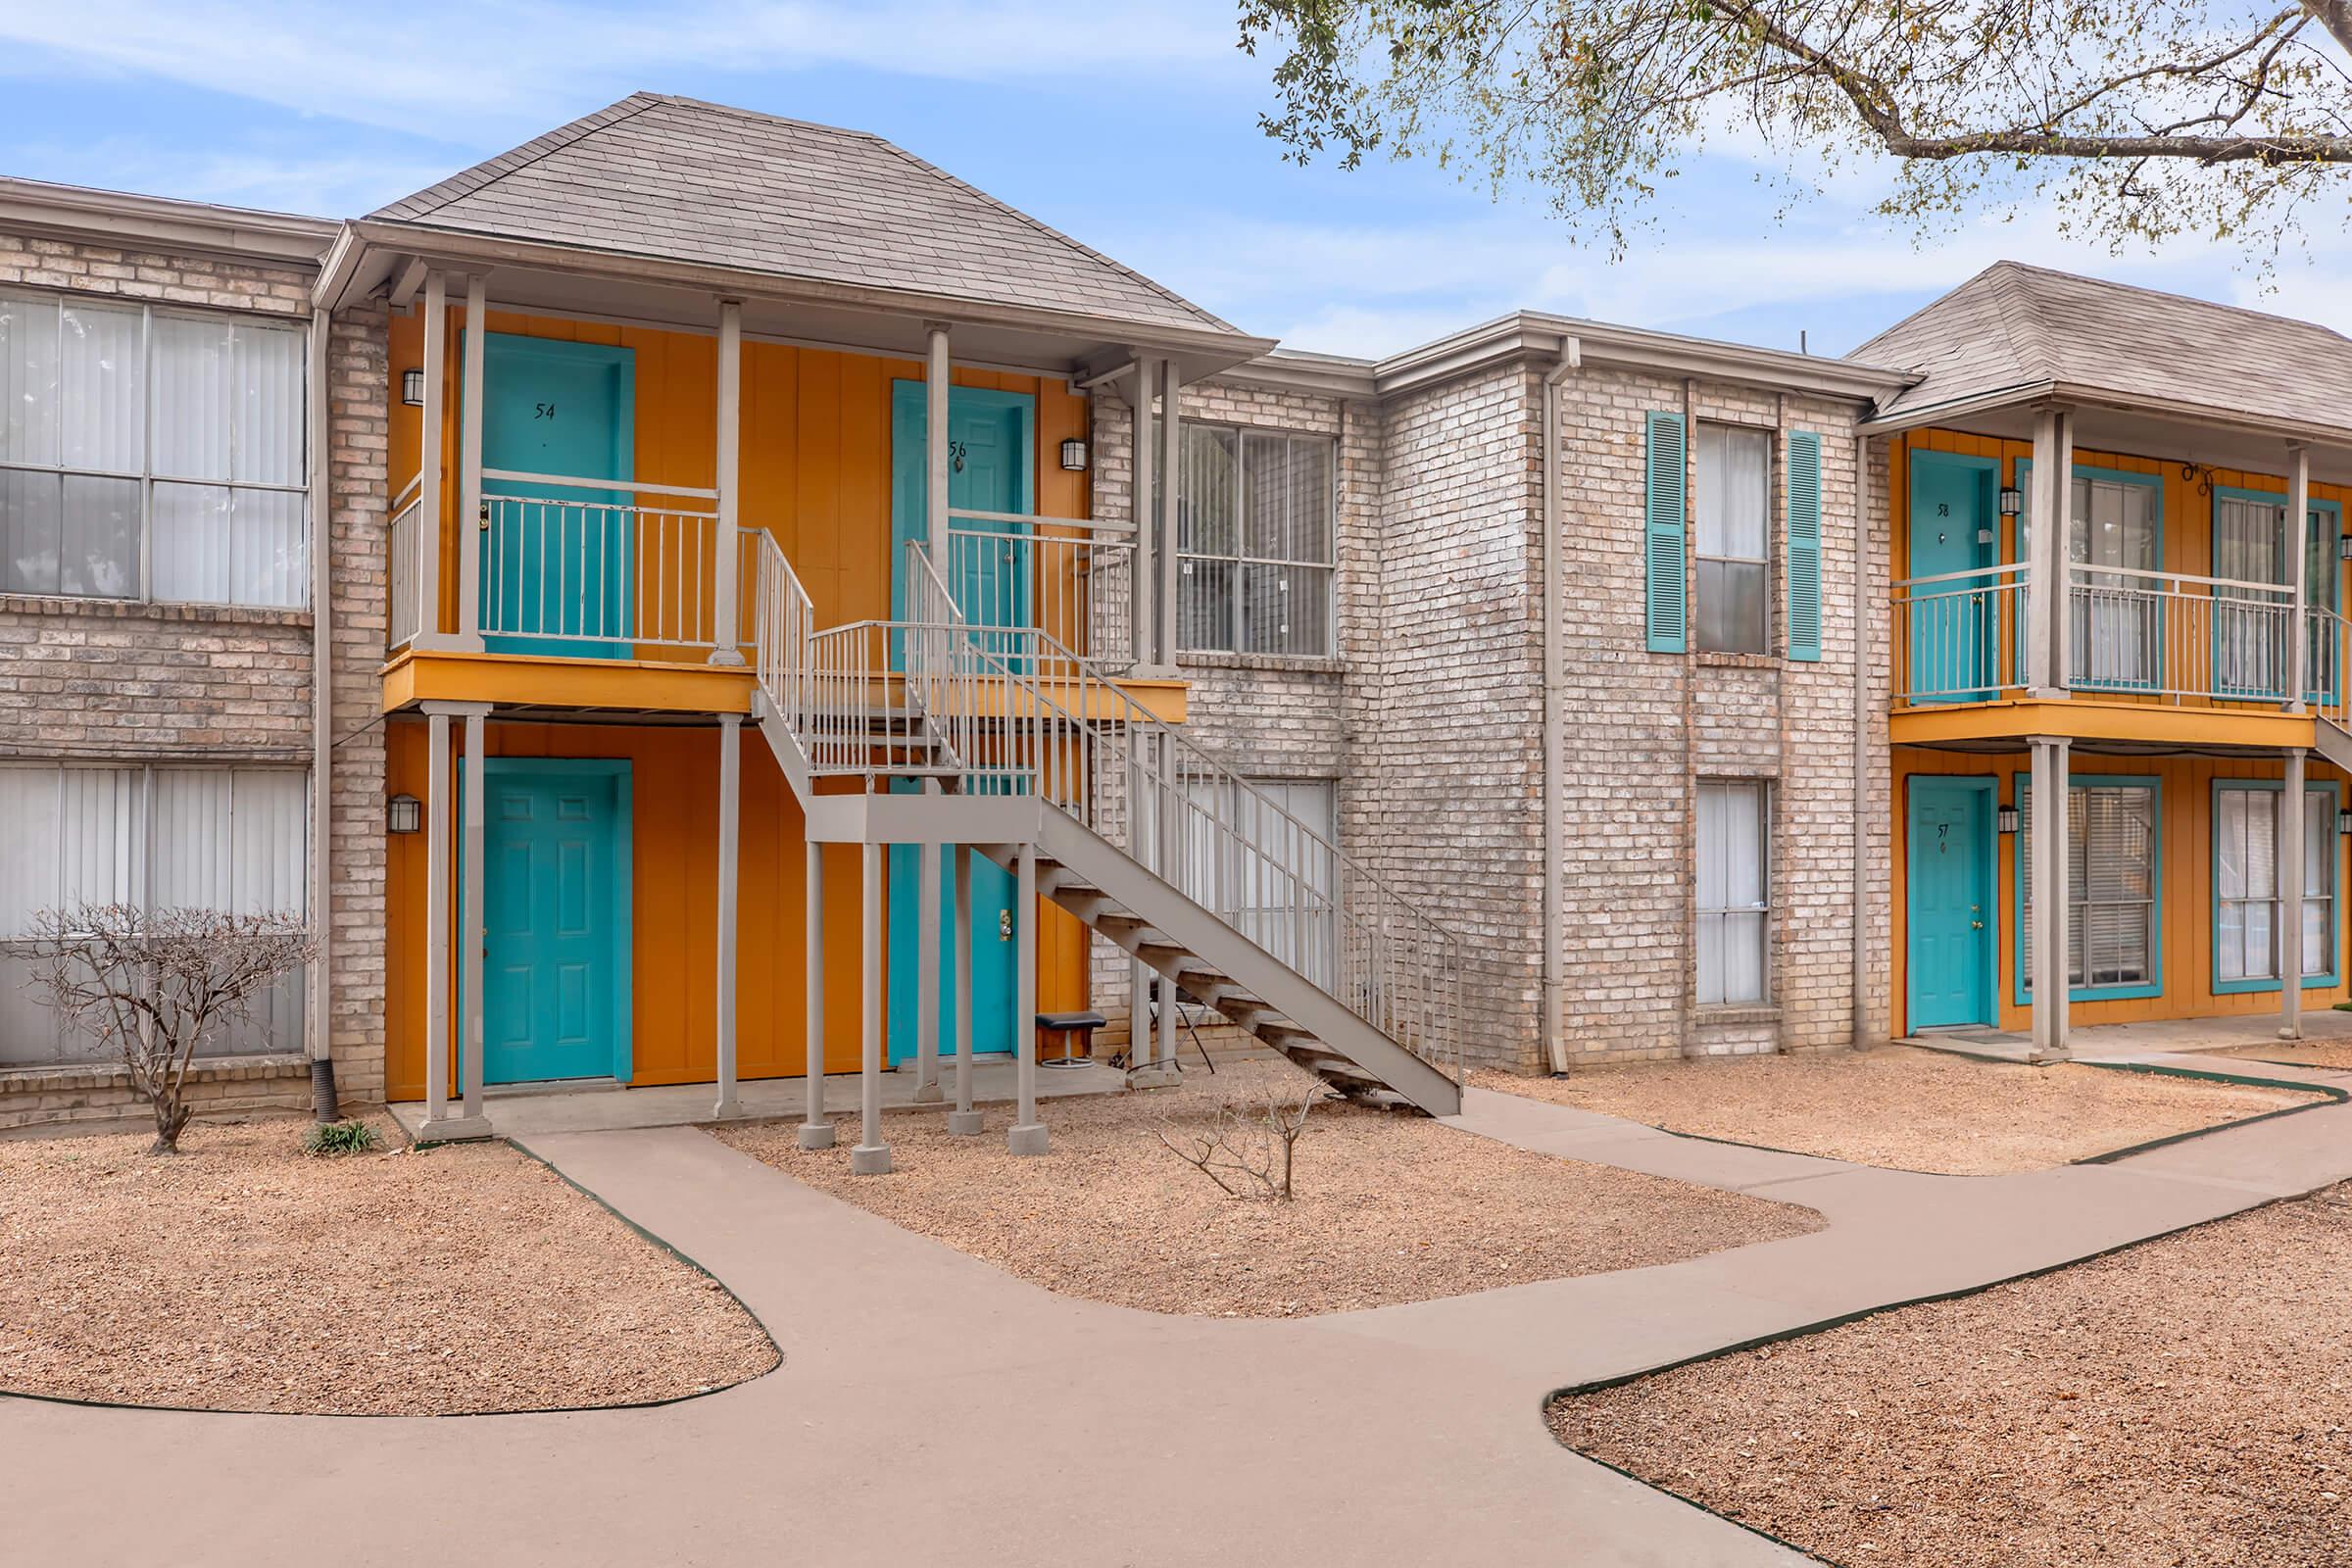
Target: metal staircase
{"x": 1000, "y": 736}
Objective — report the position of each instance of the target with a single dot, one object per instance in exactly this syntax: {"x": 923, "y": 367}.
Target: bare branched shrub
{"x": 156, "y": 984}
{"x": 1249, "y": 1153}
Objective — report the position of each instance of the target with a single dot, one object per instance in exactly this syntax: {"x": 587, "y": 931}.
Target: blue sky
{"x": 1131, "y": 126}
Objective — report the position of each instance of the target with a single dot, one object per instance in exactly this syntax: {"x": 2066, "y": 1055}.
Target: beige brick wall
{"x": 88, "y": 679}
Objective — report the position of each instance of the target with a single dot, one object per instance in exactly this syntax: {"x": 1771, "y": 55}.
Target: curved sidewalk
{"x": 932, "y": 1409}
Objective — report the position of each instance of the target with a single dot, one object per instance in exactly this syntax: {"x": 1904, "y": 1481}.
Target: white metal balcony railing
{"x": 2173, "y": 636}
{"x": 404, "y": 561}
{"x": 1014, "y": 710}
{"x": 1071, "y": 580}
{"x": 595, "y": 573}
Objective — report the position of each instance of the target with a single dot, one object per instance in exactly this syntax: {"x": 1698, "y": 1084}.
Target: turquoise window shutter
{"x": 1804, "y": 545}
{"x": 1669, "y": 596}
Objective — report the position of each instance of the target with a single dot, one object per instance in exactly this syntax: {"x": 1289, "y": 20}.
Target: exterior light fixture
{"x": 2007, "y": 817}
{"x": 2343, "y": 822}
{"x": 2013, "y": 500}
{"x": 404, "y": 813}
{"x": 1073, "y": 456}
{"x": 2344, "y": 547}
{"x": 411, "y": 388}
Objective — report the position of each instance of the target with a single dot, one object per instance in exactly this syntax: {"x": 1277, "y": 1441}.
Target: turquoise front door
{"x": 989, "y": 470}
{"x": 1955, "y": 628}
{"x": 559, "y": 566}
{"x": 556, "y": 975}
{"x": 1949, "y": 878}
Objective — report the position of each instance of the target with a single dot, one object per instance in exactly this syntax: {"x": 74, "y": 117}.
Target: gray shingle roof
{"x": 2014, "y": 326}
{"x": 683, "y": 180}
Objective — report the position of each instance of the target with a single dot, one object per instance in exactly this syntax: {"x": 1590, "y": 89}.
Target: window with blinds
{"x": 151, "y": 453}
{"x": 2111, "y": 885}
{"x": 214, "y": 838}
{"x": 2115, "y": 619}
{"x": 2250, "y": 545}
{"x": 1255, "y": 541}
{"x": 1735, "y": 891}
{"x": 1732, "y": 503}
{"x": 2248, "y": 931}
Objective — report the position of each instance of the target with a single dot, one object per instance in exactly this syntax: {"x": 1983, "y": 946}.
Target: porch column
{"x": 963, "y": 1121}
{"x": 727, "y": 558}
{"x": 1027, "y": 1135}
{"x": 1171, "y": 465}
{"x": 1149, "y": 656}
{"x": 2046, "y": 566}
{"x": 871, "y": 1156}
{"x": 2298, "y": 533}
{"x": 817, "y": 1128}
{"x": 2051, "y": 894}
{"x": 2288, "y": 927}
{"x": 469, "y": 469}
{"x": 936, "y": 382}
{"x": 730, "y": 812}
{"x": 429, "y": 464}
{"x": 927, "y": 983}
{"x": 469, "y": 1122}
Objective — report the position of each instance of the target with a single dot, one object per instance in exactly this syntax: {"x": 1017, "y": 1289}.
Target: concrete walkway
{"x": 931, "y": 1409}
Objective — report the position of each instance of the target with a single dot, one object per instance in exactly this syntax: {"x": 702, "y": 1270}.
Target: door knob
{"x": 1004, "y": 926}
{"x": 1975, "y": 925}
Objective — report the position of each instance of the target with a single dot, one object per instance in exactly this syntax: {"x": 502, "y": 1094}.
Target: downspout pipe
{"x": 322, "y": 744}
{"x": 1556, "y": 715}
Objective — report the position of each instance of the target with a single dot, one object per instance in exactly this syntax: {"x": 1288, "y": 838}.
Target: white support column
{"x": 937, "y": 378}
{"x": 2288, "y": 927}
{"x": 1171, "y": 465}
{"x": 436, "y": 914}
{"x": 927, "y": 983}
{"x": 726, "y": 561}
{"x": 817, "y": 1128}
{"x": 2051, "y": 793}
{"x": 429, "y": 464}
{"x": 871, "y": 1156}
{"x": 2298, "y": 535}
{"x": 1027, "y": 1135}
{"x": 963, "y": 1121}
{"x": 470, "y": 1122}
{"x": 2046, "y": 566}
{"x": 470, "y": 469}
{"x": 730, "y": 846}
{"x": 1150, "y": 658}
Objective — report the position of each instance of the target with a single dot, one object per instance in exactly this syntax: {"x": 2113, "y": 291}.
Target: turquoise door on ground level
{"x": 559, "y": 563}
{"x": 1955, "y": 628}
{"x": 1948, "y": 875}
{"x": 990, "y": 438}
{"x": 555, "y": 975}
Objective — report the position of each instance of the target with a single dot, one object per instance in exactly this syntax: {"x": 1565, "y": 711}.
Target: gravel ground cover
{"x": 2328, "y": 1055}
{"x": 2186, "y": 1402}
{"x": 241, "y": 1275}
{"x": 1906, "y": 1108}
{"x": 1390, "y": 1209}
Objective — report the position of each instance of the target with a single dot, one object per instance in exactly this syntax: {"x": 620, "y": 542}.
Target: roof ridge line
{"x": 2021, "y": 319}
{"x": 1046, "y": 228}
{"x": 466, "y": 181}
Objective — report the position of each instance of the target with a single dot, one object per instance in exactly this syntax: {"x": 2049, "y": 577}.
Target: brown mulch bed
{"x": 2188, "y": 1400}
{"x": 241, "y": 1275}
{"x": 1390, "y": 1207}
{"x": 2328, "y": 1055}
{"x": 1906, "y": 1108}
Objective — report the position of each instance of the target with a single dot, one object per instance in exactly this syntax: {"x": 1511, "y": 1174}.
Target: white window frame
{"x": 2323, "y": 795}
{"x": 1706, "y": 495}
{"x": 1712, "y": 991}
{"x": 146, "y": 474}
{"x": 1240, "y": 561}
{"x": 139, "y": 874}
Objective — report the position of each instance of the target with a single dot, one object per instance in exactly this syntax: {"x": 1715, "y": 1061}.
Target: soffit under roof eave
{"x": 377, "y": 244}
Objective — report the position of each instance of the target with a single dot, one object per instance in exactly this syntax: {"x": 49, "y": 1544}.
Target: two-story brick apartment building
{"x": 1522, "y": 699}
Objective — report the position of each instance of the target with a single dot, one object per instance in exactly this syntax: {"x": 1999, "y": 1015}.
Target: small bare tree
{"x": 1258, "y": 1148}
{"x": 156, "y": 984}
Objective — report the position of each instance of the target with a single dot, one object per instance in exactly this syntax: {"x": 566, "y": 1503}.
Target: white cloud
{"x": 530, "y": 62}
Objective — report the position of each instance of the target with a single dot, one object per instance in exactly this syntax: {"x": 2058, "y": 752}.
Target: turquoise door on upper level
{"x": 559, "y": 563}
{"x": 556, "y": 920}
{"x": 990, "y": 469}
{"x": 1948, "y": 954}
{"x": 1955, "y": 624}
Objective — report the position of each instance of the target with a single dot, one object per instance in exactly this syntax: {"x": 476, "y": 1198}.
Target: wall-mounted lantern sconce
{"x": 404, "y": 813}
{"x": 1073, "y": 456}
{"x": 2007, "y": 817}
{"x": 2344, "y": 547}
{"x": 411, "y": 388}
{"x": 2013, "y": 500}
{"x": 2343, "y": 822}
